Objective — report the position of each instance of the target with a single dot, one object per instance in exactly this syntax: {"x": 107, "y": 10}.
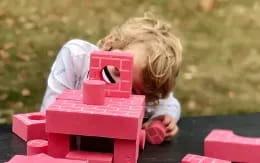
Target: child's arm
{"x": 68, "y": 70}
{"x": 169, "y": 106}
{"x": 168, "y": 111}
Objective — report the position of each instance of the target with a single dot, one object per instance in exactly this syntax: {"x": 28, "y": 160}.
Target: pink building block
{"x": 125, "y": 151}
{"x": 224, "y": 144}
{"x": 156, "y": 132}
{"x": 94, "y": 92}
{"x": 58, "y": 145}
{"x": 29, "y": 126}
{"x": 142, "y": 136}
{"x": 90, "y": 157}
{"x": 40, "y": 158}
{"x": 191, "y": 158}
{"x": 117, "y": 118}
{"x": 37, "y": 146}
{"x": 122, "y": 61}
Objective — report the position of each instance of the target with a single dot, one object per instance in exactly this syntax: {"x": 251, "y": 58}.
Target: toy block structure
{"x": 29, "y": 126}
{"x": 156, "y": 132}
{"x": 224, "y": 144}
{"x": 191, "y": 158}
{"x": 101, "y": 110}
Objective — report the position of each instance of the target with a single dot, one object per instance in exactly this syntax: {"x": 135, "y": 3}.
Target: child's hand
{"x": 169, "y": 123}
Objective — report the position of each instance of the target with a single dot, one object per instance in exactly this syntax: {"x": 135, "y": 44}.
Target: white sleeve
{"x": 68, "y": 70}
{"x": 169, "y": 106}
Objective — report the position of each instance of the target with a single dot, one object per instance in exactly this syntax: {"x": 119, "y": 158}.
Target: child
{"x": 157, "y": 58}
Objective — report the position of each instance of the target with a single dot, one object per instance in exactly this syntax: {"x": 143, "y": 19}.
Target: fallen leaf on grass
{"x": 3, "y": 97}
{"x": 8, "y": 45}
{"x": 4, "y": 54}
{"x": 26, "y": 92}
{"x": 23, "y": 57}
{"x": 208, "y": 5}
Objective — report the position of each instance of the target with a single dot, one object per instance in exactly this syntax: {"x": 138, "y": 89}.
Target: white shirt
{"x": 70, "y": 69}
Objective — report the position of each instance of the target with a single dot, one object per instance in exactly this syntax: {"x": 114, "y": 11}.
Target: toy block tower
{"x": 103, "y": 110}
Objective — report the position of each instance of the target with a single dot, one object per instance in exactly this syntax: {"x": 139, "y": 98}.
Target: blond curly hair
{"x": 164, "y": 55}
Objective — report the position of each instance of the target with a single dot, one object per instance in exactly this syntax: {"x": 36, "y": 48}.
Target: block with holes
{"x": 224, "y": 144}
{"x": 29, "y": 126}
{"x": 191, "y": 158}
{"x": 122, "y": 61}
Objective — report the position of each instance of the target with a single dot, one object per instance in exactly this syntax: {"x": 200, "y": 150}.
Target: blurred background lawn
{"x": 220, "y": 37}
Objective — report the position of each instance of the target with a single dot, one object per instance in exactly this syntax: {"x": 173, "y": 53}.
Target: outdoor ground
{"x": 221, "y": 48}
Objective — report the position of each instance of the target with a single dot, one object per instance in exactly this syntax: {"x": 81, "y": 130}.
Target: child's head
{"x": 157, "y": 54}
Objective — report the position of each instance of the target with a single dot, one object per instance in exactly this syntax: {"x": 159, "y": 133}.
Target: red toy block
{"x": 142, "y": 139}
{"x": 90, "y": 157}
{"x": 109, "y": 120}
{"x": 37, "y": 146}
{"x": 156, "y": 132}
{"x": 94, "y": 92}
{"x": 224, "y": 144}
{"x": 126, "y": 151}
{"x": 58, "y": 145}
{"x": 40, "y": 158}
{"x": 122, "y": 61}
{"x": 29, "y": 126}
{"x": 191, "y": 158}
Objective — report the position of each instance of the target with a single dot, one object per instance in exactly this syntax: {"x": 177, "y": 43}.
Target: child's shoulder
{"x": 78, "y": 46}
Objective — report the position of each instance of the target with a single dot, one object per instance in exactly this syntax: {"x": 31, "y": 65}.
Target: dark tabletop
{"x": 193, "y": 130}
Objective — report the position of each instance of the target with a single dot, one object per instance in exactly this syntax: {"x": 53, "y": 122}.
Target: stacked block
{"x": 94, "y": 92}
{"x": 191, "y": 158}
{"x": 29, "y": 126}
{"x": 123, "y": 62}
{"x": 224, "y": 144}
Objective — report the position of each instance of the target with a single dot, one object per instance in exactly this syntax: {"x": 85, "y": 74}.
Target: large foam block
{"x": 90, "y": 157}
{"x": 29, "y": 126}
{"x": 37, "y": 146}
{"x": 58, "y": 145}
{"x": 156, "y": 132}
{"x": 224, "y": 144}
{"x": 94, "y": 92}
{"x": 191, "y": 158}
{"x": 126, "y": 151}
{"x": 122, "y": 61}
{"x": 117, "y": 118}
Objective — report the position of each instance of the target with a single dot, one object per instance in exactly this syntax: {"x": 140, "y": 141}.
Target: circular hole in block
{"x": 111, "y": 74}
{"x": 36, "y": 117}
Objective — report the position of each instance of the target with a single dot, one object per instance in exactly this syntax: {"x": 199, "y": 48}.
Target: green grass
{"x": 221, "y": 48}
